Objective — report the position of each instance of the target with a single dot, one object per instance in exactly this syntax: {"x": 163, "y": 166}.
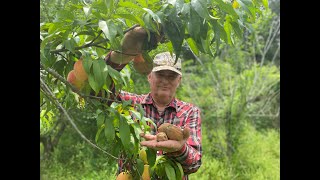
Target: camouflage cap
{"x": 164, "y": 61}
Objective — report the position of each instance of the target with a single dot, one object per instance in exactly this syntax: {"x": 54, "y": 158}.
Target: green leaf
{"x": 151, "y": 156}
{"x": 205, "y": 45}
{"x": 204, "y": 28}
{"x": 98, "y": 133}
{"x": 124, "y": 132}
{"x": 104, "y": 69}
{"x": 132, "y": 18}
{"x": 149, "y": 24}
{"x": 155, "y": 17}
{"x": 185, "y": 9}
{"x": 265, "y": 3}
{"x": 150, "y": 121}
{"x": 194, "y": 24}
{"x": 59, "y": 66}
{"x": 87, "y": 63}
{"x": 109, "y": 130}
{"x": 236, "y": 29}
{"x": 137, "y": 129}
{"x": 178, "y": 4}
{"x": 54, "y": 28}
{"x": 109, "y": 29}
{"x": 109, "y": 4}
{"x": 100, "y": 120}
{"x": 65, "y": 15}
{"x": 200, "y": 7}
{"x": 219, "y": 31}
{"x": 114, "y": 73}
{"x": 144, "y": 3}
{"x": 93, "y": 83}
{"x": 136, "y": 114}
{"x": 169, "y": 171}
{"x": 193, "y": 46}
{"x": 174, "y": 29}
{"x": 227, "y": 7}
{"x": 228, "y": 29}
{"x": 116, "y": 148}
{"x": 70, "y": 44}
{"x": 89, "y": 33}
{"x": 178, "y": 170}
{"x": 87, "y": 11}
{"x": 128, "y": 4}
{"x": 140, "y": 166}
{"x": 247, "y": 6}
{"x": 98, "y": 74}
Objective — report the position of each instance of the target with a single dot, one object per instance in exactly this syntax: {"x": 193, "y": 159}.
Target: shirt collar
{"x": 148, "y": 100}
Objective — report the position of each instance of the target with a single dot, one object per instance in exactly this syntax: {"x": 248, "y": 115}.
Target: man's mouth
{"x": 164, "y": 87}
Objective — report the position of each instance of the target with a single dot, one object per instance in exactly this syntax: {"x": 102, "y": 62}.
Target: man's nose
{"x": 165, "y": 79}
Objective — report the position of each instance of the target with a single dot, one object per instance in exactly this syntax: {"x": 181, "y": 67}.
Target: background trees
{"x": 231, "y": 60}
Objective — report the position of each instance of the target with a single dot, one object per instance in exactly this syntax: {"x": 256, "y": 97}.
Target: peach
{"x": 79, "y": 71}
{"x": 146, "y": 173}
{"x": 124, "y": 176}
{"x": 72, "y": 79}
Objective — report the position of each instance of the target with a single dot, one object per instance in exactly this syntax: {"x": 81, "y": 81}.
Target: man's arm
{"x": 132, "y": 45}
{"x": 187, "y": 152}
{"x": 189, "y": 156}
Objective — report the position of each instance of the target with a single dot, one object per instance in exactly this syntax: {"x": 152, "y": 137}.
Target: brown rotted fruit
{"x": 161, "y": 136}
{"x": 174, "y": 132}
{"x": 142, "y": 63}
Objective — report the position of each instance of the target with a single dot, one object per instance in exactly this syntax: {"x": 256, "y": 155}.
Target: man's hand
{"x": 167, "y": 146}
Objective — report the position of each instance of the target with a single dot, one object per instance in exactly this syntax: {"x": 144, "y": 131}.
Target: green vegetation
{"x": 235, "y": 81}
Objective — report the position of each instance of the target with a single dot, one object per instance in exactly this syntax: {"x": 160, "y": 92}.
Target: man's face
{"x": 163, "y": 85}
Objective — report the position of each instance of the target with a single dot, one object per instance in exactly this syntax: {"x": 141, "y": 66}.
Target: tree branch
{"x": 55, "y": 101}
{"x": 92, "y": 42}
{"x": 74, "y": 89}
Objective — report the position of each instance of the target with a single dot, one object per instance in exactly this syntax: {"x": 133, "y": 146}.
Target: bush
{"x": 258, "y": 154}
{"x": 83, "y": 163}
{"x": 257, "y": 157}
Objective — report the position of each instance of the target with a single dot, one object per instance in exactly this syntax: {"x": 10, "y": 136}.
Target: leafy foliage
{"x": 205, "y": 30}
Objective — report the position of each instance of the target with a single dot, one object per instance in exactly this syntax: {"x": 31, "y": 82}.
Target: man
{"x": 160, "y": 104}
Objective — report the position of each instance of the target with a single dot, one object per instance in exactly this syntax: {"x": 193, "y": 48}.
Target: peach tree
{"x": 86, "y": 30}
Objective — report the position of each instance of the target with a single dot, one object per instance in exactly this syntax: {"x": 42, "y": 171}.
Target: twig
{"x": 100, "y": 32}
{"x": 55, "y": 101}
{"x": 62, "y": 56}
{"x": 100, "y": 46}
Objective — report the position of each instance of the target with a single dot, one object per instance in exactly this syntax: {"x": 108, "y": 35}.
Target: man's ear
{"x": 149, "y": 77}
{"x": 180, "y": 79}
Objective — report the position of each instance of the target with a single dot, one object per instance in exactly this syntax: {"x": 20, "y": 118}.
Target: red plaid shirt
{"x": 178, "y": 113}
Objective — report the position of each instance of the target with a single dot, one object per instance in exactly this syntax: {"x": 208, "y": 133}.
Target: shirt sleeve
{"x": 115, "y": 66}
{"x": 189, "y": 156}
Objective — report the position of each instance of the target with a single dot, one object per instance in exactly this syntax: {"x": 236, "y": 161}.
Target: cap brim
{"x": 159, "y": 68}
